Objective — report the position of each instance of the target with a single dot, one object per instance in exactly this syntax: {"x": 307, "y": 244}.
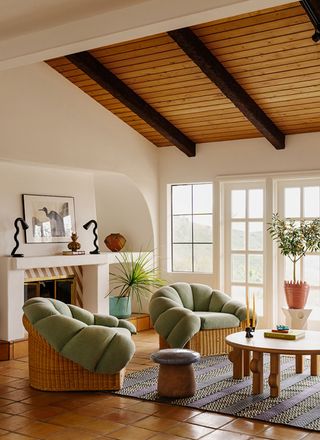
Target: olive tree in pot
{"x": 294, "y": 240}
{"x": 135, "y": 277}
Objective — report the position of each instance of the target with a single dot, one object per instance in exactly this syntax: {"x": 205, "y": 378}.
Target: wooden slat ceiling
{"x": 270, "y": 53}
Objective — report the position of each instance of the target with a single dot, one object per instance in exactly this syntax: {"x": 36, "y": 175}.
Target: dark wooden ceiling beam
{"x": 312, "y": 8}
{"x": 217, "y": 73}
{"x": 106, "y": 79}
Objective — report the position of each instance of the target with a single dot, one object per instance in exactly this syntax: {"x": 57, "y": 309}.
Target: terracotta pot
{"x": 296, "y": 294}
{"x": 115, "y": 242}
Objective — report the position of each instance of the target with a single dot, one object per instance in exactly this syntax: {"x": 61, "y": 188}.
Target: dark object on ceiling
{"x": 312, "y": 8}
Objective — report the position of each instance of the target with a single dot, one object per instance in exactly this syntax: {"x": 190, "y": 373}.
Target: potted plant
{"x": 135, "y": 276}
{"x": 295, "y": 239}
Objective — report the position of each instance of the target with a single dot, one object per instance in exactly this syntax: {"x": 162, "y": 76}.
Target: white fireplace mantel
{"x": 59, "y": 260}
{"x": 95, "y": 285}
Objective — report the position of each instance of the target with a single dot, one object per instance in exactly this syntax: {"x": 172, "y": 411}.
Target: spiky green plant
{"x": 135, "y": 277}
{"x": 294, "y": 238}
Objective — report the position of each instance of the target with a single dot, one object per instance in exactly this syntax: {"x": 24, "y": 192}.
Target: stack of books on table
{"x": 285, "y": 334}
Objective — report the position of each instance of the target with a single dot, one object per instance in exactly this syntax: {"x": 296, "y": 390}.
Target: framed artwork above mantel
{"x": 51, "y": 219}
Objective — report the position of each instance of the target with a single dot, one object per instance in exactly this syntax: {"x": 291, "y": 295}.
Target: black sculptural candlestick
{"x": 24, "y": 227}
{"x": 249, "y": 332}
{"x": 86, "y": 226}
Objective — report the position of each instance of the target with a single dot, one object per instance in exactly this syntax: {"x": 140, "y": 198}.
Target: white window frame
{"x": 299, "y": 180}
{"x": 225, "y": 239}
{"x": 170, "y": 226}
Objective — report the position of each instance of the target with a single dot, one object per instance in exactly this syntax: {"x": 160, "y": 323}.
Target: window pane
{"x": 238, "y": 268}
{"x": 239, "y": 293}
{"x": 255, "y": 203}
{"x": 202, "y": 228}
{"x": 311, "y": 201}
{"x": 311, "y": 269}
{"x": 288, "y": 270}
{"x": 314, "y": 304}
{"x": 292, "y": 202}
{"x": 255, "y": 236}
{"x": 238, "y": 203}
{"x": 202, "y": 199}
{"x": 182, "y": 258}
{"x": 238, "y": 236}
{"x": 181, "y": 199}
{"x": 258, "y": 292}
{"x": 182, "y": 229}
{"x": 255, "y": 268}
{"x": 203, "y": 258}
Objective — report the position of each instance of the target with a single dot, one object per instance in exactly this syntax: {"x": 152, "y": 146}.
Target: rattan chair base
{"x": 208, "y": 342}
{"x": 49, "y": 371}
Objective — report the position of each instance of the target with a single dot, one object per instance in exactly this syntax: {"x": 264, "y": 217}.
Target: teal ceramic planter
{"x": 120, "y": 307}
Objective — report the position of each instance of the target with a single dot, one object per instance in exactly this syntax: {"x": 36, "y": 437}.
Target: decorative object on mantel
{"x": 133, "y": 277}
{"x": 86, "y": 226}
{"x": 74, "y": 246}
{"x": 51, "y": 218}
{"x": 25, "y": 226}
{"x": 115, "y": 242}
{"x": 294, "y": 240}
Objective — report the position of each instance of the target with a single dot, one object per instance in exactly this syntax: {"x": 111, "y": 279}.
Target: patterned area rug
{"x": 298, "y": 404}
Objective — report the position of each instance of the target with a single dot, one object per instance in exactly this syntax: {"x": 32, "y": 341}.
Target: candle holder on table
{"x": 249, "y": 332}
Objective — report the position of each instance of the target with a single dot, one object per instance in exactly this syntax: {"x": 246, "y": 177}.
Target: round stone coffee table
{"x": 242, "y": 348}
{"x": 176, "y": 373}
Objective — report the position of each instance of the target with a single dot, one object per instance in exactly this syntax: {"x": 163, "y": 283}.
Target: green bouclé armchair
{"x": 195, "y": 316}
{"x": 73, "y": 349}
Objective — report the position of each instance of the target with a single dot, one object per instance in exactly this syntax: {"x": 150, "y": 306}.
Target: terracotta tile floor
{"x": 29, "y": 414}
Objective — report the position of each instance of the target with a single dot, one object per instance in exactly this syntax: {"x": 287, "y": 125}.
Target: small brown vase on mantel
{"x": 296, "y": 294}
{"x": 115, "y": 242}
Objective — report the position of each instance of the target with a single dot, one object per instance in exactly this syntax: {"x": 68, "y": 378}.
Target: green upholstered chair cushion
{"x": 236, "y": 308}
{"x": 214, "y": 320}
{"x": 185, "y": 293}
{"x": 201, "y": 296}
{"x": 218, "y": 300}
{"x": 123, "y": 323}
{"x": 77, "y": 336}
{"x": 180, "y": 310}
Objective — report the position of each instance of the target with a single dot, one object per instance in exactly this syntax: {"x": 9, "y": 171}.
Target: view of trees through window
{"x": 246, "y": 220}
{"x": 302, "y": 201}
{"x": 245, "y": 257}
{"x": 191, "y": 228}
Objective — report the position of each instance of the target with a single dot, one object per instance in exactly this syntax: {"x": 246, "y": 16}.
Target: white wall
{"x": 17, "y": 179}
{"x": 228, "y": 158}
{"x": 122, "y": 208}
{"x": 44, "y": 119}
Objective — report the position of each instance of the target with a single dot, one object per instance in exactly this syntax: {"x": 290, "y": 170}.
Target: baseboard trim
{"x": 13, "y": 349}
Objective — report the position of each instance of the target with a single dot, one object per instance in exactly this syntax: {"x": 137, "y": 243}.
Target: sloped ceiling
{"x": 269, "y": 53}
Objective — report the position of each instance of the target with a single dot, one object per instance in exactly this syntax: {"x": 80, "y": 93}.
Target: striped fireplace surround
{"x": 59, "y": 272}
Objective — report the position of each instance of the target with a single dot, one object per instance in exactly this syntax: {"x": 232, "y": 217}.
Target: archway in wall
{"x": 121, "y": 207}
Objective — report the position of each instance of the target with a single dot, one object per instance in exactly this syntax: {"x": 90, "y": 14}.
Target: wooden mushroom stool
{"x": 176, "y": 373}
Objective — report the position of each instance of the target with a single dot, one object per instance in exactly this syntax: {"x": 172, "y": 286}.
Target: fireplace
{"x": 91, "y": 275}
{"x": 63, "y": 283}
{"x": 62, "y": 289}
{"x": 91, "y": 278}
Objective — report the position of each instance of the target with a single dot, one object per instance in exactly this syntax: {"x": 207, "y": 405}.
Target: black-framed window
{"x": 191, "y": 227}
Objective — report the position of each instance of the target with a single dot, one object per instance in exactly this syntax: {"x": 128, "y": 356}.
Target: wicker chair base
{"x": 49, "y": 371}
{"x": 208, "y": 342}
